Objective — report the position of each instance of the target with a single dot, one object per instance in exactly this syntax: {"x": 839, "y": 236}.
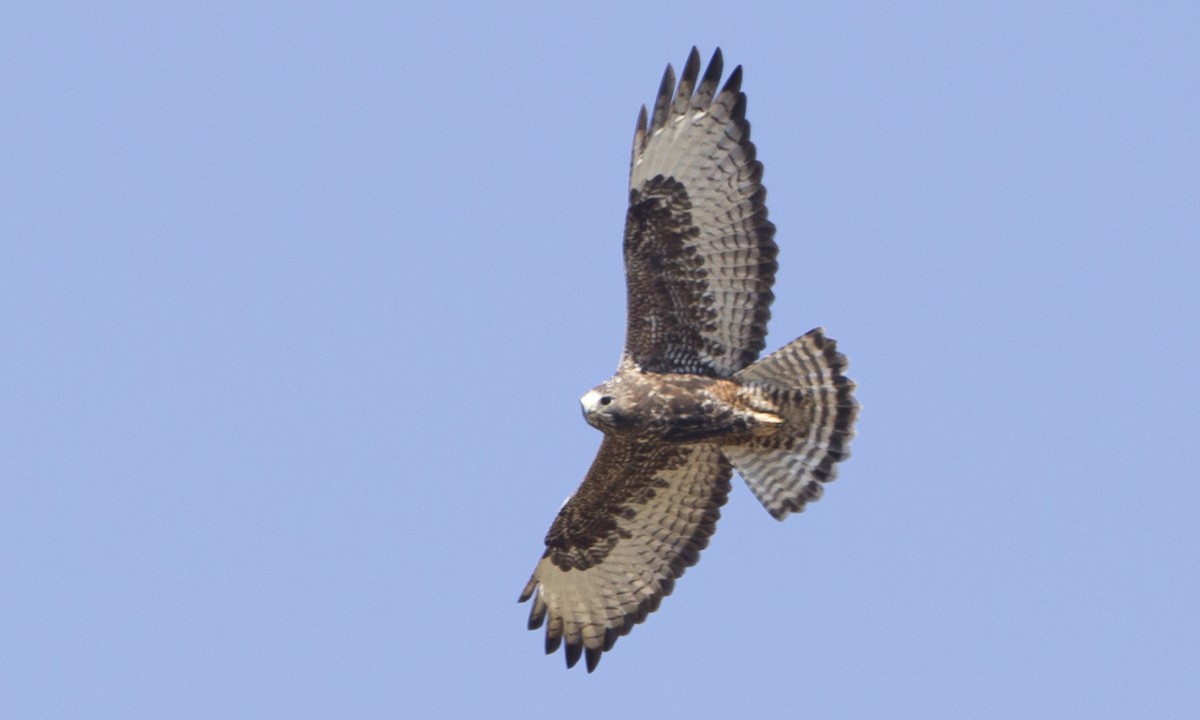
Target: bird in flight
{"x": 690, "y": 401}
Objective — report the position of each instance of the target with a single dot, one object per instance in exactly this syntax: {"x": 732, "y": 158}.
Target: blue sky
{"x": 298, "y": 300}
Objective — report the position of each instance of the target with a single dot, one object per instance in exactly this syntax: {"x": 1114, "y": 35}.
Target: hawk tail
{"x": 816, "y": 401}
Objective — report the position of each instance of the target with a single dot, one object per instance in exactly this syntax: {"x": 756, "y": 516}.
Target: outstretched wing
{"x": 641, "y": 517}
{"x": 699, "y": 250}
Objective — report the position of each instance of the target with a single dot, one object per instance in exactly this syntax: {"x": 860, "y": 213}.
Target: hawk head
{"x": 609, "y": 407}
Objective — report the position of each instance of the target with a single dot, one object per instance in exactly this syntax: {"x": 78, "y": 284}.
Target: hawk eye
{"x": 606, "y": 400}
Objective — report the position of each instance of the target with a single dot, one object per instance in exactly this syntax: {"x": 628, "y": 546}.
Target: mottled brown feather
{"x": 641, "y": 517}
{"x": 699, "y": 250}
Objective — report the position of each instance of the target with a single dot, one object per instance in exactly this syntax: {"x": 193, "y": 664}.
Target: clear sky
{"x": 297, "y": 301}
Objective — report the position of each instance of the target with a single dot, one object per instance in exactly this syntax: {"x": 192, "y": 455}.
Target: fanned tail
{"x": 805, "y": 380}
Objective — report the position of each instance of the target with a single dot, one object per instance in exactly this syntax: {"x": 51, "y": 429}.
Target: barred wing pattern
{"x": 641, "y": 517}
{"x": 699, "y": 250}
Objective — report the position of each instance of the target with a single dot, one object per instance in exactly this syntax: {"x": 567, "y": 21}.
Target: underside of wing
{"x": 641, "y": 517}
{"x": 699, "y": 250}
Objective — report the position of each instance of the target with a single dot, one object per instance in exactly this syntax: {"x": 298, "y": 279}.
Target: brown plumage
{"x": 688, "y": 403}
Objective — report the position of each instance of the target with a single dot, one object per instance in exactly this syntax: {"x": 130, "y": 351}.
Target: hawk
{"x": 688, "y": 404}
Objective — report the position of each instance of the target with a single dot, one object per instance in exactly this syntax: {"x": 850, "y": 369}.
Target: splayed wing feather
{"x": 699, "y": 250}
{"x": 640, "y": 518}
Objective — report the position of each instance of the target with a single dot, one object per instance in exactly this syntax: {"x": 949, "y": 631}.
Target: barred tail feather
{"x": 816, "y": 401}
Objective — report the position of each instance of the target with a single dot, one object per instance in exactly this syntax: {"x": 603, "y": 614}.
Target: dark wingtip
{"x": 687, "y": 84}
{"x": 528, "y": 591}
{"x": 666, "y": 89}
{"x": 537, "y": 612}
{"x": 712, "y": 73}
{"x": 574, "y": 651}
{"x": 610, "y": 637}
{"x": 734, "y": 83}
{"x": 592, "y": 656}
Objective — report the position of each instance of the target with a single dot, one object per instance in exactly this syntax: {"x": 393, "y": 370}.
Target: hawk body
{"x": 690, "y": 401}
{"x": 678, "y": 408}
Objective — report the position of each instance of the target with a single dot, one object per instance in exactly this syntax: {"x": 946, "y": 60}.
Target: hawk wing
{"x": 640, "y": 518}
{"x": 699, "y": 250}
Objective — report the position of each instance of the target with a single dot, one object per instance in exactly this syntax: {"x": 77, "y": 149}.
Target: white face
{"x": 614, "y": 407}
{"x": 593, "y": 400}
{"x": 599, "y": 405}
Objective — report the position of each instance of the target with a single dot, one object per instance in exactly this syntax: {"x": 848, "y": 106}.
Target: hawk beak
{"x": 589, "y": 402}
